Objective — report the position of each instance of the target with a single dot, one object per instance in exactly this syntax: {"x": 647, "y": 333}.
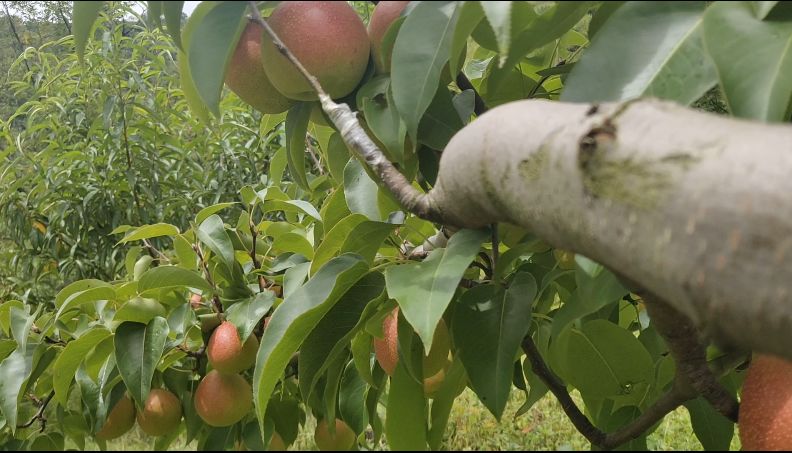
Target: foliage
{"x": 108, "y": 143}
{"x": 314, "y": 247}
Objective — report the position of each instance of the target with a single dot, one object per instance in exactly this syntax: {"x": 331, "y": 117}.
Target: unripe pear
{"x": 139, "y": 309}
{"x": 276, "y": 443}
{"x": 196, "y": 301}
{"x": 385, "y": 13}
{"x": 223, "y": 399}
{"x": 161, "y": 414}
{"x": 765, "y": 420}
{"x": 120, "y": 420}
{"x": 432, "y": 383}
{"x": 343, "y": 439}
{"x": 386, "y": 349}
{"x": 227, "y": 354}
{"x": 246, "y": 76}
{"x": 330, "y": 41}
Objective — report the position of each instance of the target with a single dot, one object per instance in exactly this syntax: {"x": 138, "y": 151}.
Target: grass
{"x": 471, "y": 427}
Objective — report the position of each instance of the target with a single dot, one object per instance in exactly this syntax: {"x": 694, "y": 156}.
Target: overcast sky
{"x": 189, "y": 7}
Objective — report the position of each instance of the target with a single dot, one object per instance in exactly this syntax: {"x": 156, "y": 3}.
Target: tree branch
{"x": 689, "y": 354}
{"x": 479, "y": 107}
{"x": 668, "y": 402}
{"x": 578, "y": 419}
{"x": 39, "y": 415}
{"x": 218, "y": 306}
{"x": 356, "y": 138}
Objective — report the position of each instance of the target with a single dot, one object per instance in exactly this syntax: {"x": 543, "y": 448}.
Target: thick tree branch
{"x": 689, "y": 205}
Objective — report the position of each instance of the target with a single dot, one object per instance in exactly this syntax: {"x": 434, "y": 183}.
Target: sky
{"x": 189, "y": 7}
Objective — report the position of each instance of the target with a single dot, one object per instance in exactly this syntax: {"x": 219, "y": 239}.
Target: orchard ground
{"x": 472, "y": 428}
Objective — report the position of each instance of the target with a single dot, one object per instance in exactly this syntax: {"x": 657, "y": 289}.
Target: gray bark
{"x": 695, "y": 208}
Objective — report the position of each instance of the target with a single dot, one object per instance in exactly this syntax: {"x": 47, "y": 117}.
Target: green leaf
{"x": 712, "y": 429}
{"x": 352, "y": 399}
{"x": 763, "y": 8}
{"x": 550, "y": 24}
{"x": 292, "y": 206}
{"x": 424, "y": 290}
{"x": 173, "y": 12}
{"x": 21, "y": 323}
{"x": 213, "y": 234}
{"x": 171, "y": 277}
{"x": 335, "y": 239}
{"x": 338, "y": 155}
{"x": 84, "y": 15}
{"x": 618, "y": 66}
{"x": 335, "y": 330}
{"x": 138, "y": 349}
{"x": 150, "y": 231}
{"x": 498, "y": 15}
{"x": 293, "y": 242}
{"x": 78, "y": 286}
{"x": 601, "y": 359}
{"x": 440, "y": 122}
{"x": 210, "y": 49}
{"x": 296, "y": 128}
{"x": 69, "y": 360}
{"x": 277, "y": 166}
{"x": 419, "y": 54}
{"x": 204, "y": 213}
{"x": 405, "y": 418}
{"x": 360, "y": 191}
{"x": 470, "y": 15}
{"x": 89, "y": 295}
{"x": 246, "y": 314}
{"x": 366, "y": 238}
{"x": 753, "y": 59}
{"x": 5, "y": 314}
{"x": 294, "y": 319}
{"x": 601, "y": 16}
{"x": 382, "y": 118}
{"x": 187, "y": 83}
{"x": 500, "y": 320}
{"x": 593, "y": 292}
{"x": 361, "y": 356}
{"x": 536, "y": 389}
{"x": 14, "y": 371}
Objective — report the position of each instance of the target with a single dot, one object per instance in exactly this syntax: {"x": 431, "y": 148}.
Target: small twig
{"x": 690, "y": 354}
{"x": 154, "y": 251}
{"x": 199, "y": 354}
{"x": 495, "y": 245}
{"x": 316, "y": 161}
{"x": 578, "y": 419}
{"x": 218, "y": 306}
{"x": 262, "y": 283}
{"x": 678, "y": 394}
{"x": 51, "y": 340}
{"x": 39, "y": 414}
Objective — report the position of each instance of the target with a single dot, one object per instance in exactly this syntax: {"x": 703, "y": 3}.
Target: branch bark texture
{"x": 693, "y": 207}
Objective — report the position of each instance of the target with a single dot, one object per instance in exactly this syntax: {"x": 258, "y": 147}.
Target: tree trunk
{"x": 14, "y": 32}
{"x": 695, "y": 208}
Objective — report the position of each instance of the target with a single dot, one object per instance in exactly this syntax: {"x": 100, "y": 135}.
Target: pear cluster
{"x": 223, "y": 396}
{"x": 328, "y": 38}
